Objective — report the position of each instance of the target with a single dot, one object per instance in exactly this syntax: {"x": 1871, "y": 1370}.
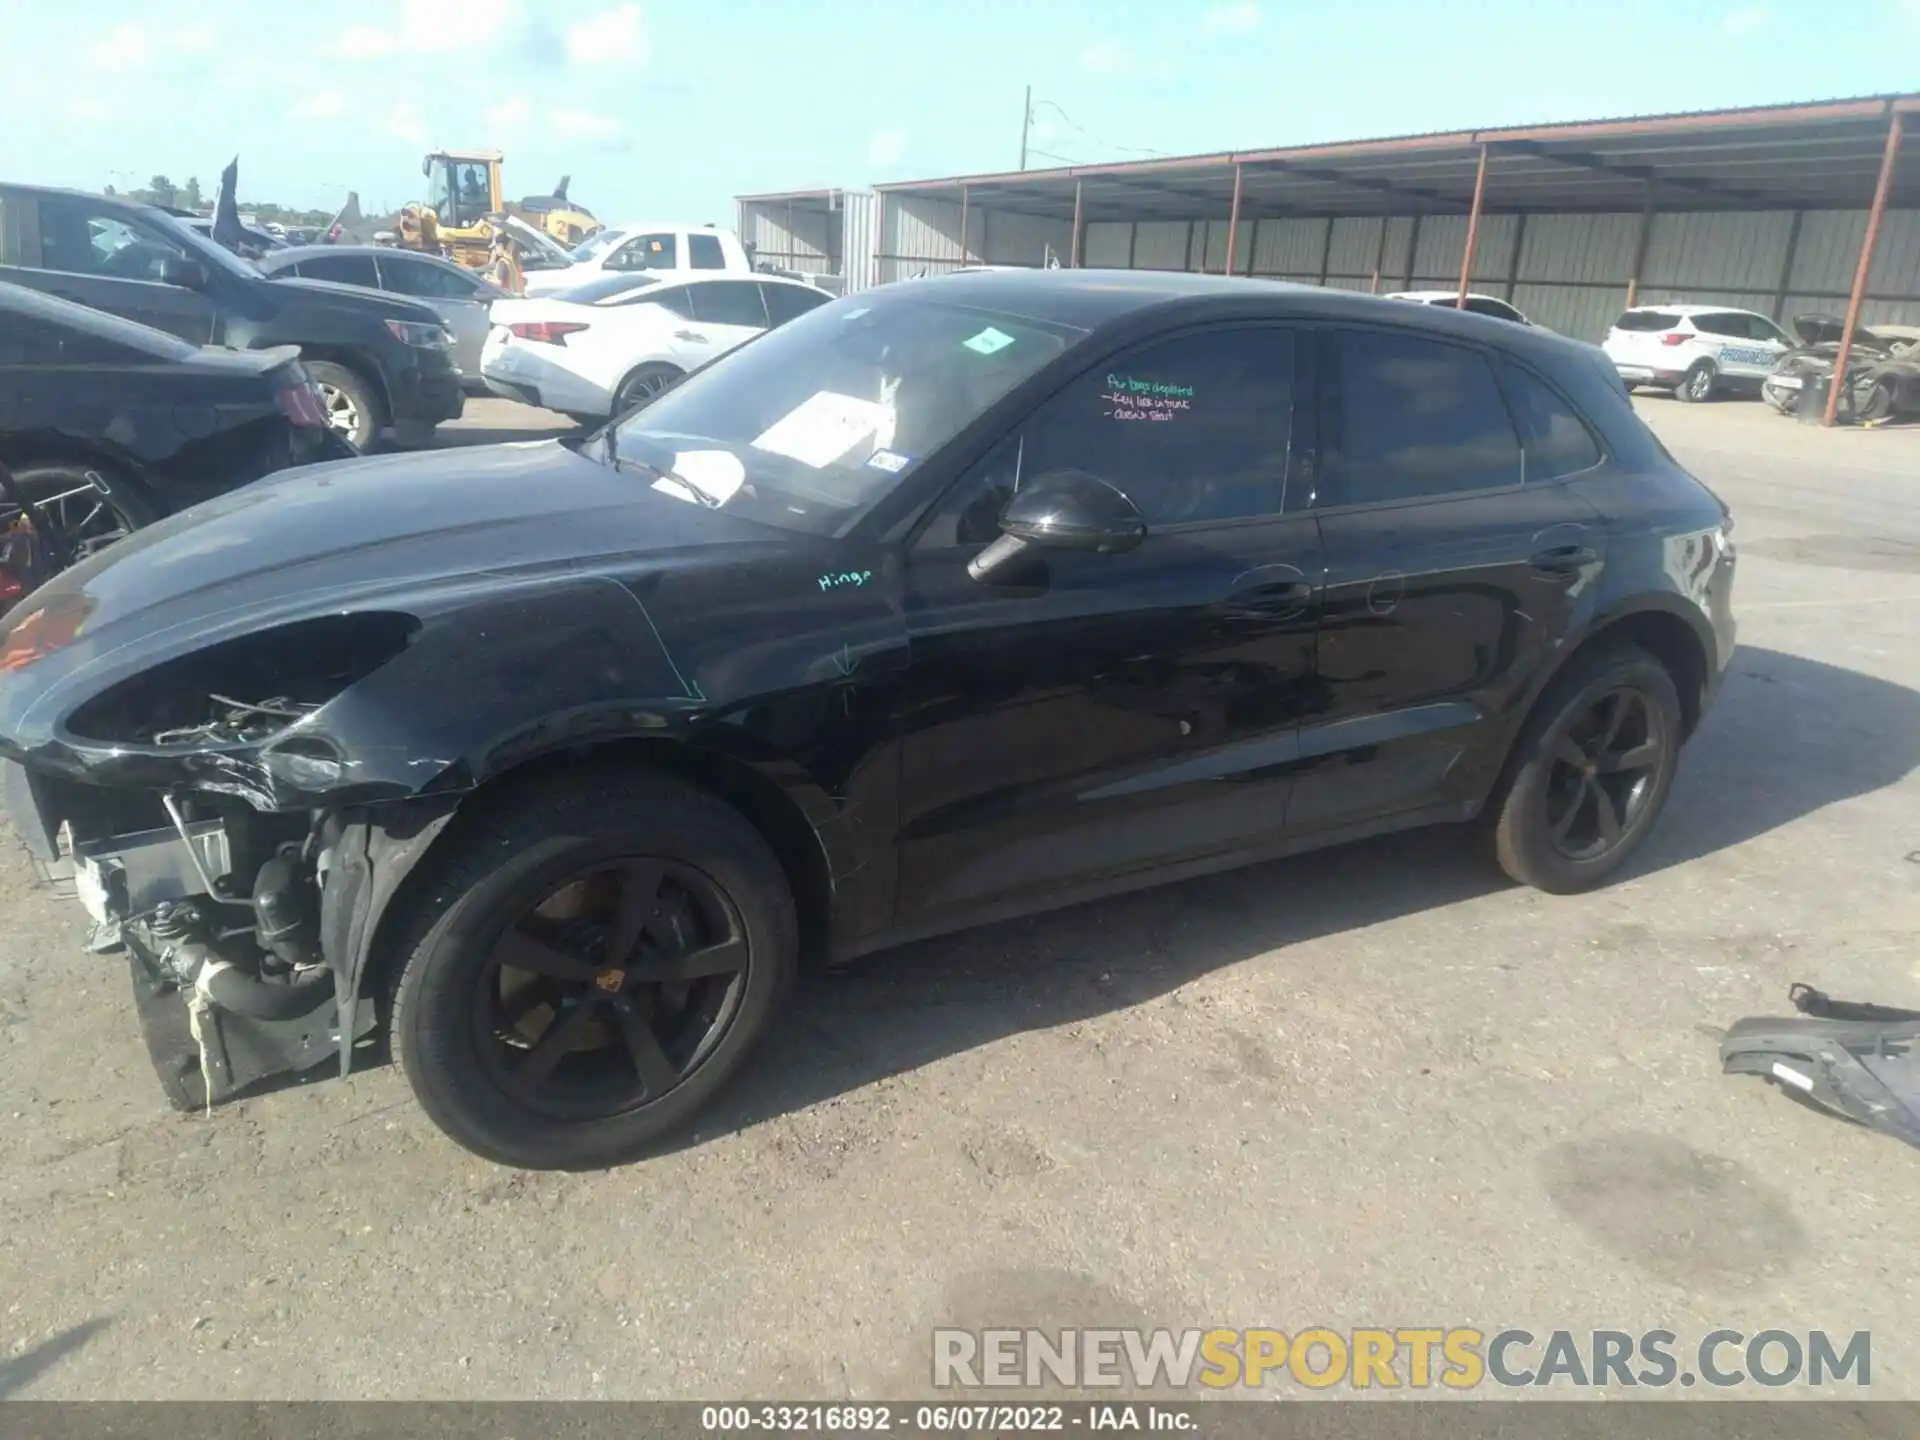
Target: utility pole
{"x": 1026, "y": 119}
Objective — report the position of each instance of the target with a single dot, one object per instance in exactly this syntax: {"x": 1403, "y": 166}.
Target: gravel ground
{"x": 1375, "y": 1086}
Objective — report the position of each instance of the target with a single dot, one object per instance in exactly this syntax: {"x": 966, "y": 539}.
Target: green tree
{"x": 162, "y": 191}
{"x": 190, "y": 193}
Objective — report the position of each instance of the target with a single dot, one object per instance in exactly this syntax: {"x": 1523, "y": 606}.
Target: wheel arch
{"x": 1661, "y": 626}
{"x": 764, "y": 803}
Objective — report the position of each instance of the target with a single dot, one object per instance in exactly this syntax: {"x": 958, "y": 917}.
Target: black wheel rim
{"x": 82, "y": 511}
{"x": 1607, "y": 767}
{"x": 608, "y": 993}
{"x": 641, "y": 387}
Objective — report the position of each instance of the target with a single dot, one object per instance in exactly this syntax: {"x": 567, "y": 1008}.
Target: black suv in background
{"x": 381, "y": 363}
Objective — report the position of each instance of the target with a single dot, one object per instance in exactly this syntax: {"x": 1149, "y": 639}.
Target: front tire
{"x": 641, "y": 386}
{"x": 93, "y": 504}
{"x": 349, "y": 402}
{"x": 592, "y": 961}
{"x": 1697, "y": 385}
{"x": 1592, "y": 771}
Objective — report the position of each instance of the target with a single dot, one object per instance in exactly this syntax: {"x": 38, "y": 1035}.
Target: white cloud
{"x": 510, "y": 112}
{"x": 122, "y": 48}
{"x": 85, "y": 108}
{"x": 611, "y": 36}
{"x": 323, "y": 105}
{"x": 1746, "y": 21}
{"x": 192, "y": 39}
{"x": 585, "y": 125}
{"x": 1104, "y": 57}
{"x": 405, "y": 122}
{"x": 1223, "y": 20}
{"x": 885, "y": 147}
{"x": 428, "y": 27}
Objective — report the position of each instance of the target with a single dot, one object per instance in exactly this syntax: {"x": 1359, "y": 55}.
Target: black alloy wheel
{"x": 641, "y": 386}
{"x": 1605, "y": 766}
{"x": 605, "y": 995}
{"x": 91, "y": 508}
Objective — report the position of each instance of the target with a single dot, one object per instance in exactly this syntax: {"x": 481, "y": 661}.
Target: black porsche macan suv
{"x": 952, "y": 600}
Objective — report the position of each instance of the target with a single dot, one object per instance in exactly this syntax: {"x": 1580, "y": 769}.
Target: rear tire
{"x": 105, "y": 510}
{"x": 539, "y": 862}
{"x": 351, "y": 404}
{"x": 1550, "y": 829}
{"x": 1872, "y": 401}
{"x": 1696, "y": 387}
{"x": 642, "y": 385}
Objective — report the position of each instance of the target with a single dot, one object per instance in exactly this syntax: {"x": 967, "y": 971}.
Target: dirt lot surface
{"x": 1372, "y": 1087}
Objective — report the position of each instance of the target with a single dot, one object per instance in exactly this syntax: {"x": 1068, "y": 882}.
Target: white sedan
{"x": 607, "y": 346}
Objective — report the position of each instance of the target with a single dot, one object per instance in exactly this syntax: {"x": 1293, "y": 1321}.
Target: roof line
{"x": 1862, "y": 108}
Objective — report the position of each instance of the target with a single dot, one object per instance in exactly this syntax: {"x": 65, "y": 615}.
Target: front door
{"x": 93, "y": 253}
{"x": 1458, "y": 553}
{"x": 1092, "y": 715}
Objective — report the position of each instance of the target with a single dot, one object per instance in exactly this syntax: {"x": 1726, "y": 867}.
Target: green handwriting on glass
{"x": 838, "y": 579}
{"x": 1130, "y": 385}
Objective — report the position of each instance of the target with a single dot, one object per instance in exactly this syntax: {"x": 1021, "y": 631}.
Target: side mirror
{"x": 1063, "y": 510}
{"x": 187, "y": 274}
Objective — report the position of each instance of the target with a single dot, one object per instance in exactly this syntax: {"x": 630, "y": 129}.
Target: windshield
{"x": 812, "y": 423}
{"x": 593, "y": 245}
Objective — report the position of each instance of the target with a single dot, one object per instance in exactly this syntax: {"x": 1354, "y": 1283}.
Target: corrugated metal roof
{"x": 1816, "y": 154}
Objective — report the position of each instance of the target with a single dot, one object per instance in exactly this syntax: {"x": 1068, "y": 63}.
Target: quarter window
{"x": 1406, "y": 418}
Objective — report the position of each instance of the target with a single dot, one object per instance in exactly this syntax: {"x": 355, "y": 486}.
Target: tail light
{"x": 301, "y": 405}
{"x": 1675, "y": 337}
{"x": 547, "y": 332}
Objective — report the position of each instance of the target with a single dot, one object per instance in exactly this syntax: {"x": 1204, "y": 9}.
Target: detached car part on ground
{"x": 1883, "y": 370}
{"x": 554, "y": 759}
{"x": 383, "y": 363}
{"x": 107, "y": 425}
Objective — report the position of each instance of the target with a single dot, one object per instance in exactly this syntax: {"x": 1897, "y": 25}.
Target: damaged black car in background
{"x": 1883, "y": 370}
{"x": 944, "y": 602}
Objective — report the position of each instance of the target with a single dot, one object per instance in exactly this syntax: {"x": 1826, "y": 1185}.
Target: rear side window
{"x": 1723, "y": 324}
{"x": 1647, "y": 320}
{"x": 343, "y": 269}
{"x": 787, "y": 302}
{"x": 704, "y": 253}
{"x": 728, "y": 302}
{"x": 1554, "y": 441}
{"x": 1406, "y": 418}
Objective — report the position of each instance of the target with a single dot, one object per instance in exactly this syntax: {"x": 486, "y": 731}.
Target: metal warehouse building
{"x": 1769, "y": 209}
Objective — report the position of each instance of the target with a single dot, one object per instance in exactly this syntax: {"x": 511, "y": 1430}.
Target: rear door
{"x": 91, "y": 251}
{"x": 1457, "y": 551}
{"x": 726, "y": 313}
{"x": 1740, "y": 351}
{"x": 460, "y": 300}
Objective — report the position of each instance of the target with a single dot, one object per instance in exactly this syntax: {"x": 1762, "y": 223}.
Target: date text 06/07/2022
{"x": 939, "y": 1419}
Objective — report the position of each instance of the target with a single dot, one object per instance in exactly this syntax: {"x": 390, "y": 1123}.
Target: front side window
{"x": 1192, "y": 429}
{"x": 1404, "y": 417}
{"x": 78, "y": 238}
{"x": 423, "y": 278}
{"x": 1761, "y": 328}
{"x": 817, "y": 420}
{"x": 647, "y": 252}
{"x": 704, "y": 253}
{"x": 729, "y": 302}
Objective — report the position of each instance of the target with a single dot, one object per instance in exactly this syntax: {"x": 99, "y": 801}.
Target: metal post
{"x": 1473, "y": 225}
{"x": 1640, "y": 248}
{"x": 879, "y": 235}
{"x": 1233, "y": 218}
{"x": 1026, "y": 119}
{"x": 963, "y": 226}
{"x": 1892, "y": 153}
{"x": 1413, "y": 252}
{"x": 1380, "y": 255}
{"x": 1786, "y": 264}
{"x": 1513, "y": 260}
{"x": 1078, "y": 214}
{"x": 1133, "y": 241}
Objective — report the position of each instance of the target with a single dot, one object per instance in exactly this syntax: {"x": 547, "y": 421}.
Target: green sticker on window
{"x": 989, "y": 340}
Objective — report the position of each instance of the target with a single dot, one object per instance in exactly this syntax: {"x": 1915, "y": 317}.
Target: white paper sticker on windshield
{"x": 822, "y": 428}
{"x": 716, "y": 474}
{"x": 989, "y": 340}
{"x": 890, "y": 461}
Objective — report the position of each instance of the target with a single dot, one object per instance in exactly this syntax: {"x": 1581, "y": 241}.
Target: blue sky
{"x": 669, "y": 108}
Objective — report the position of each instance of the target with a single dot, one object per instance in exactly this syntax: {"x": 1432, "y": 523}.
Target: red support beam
{"x": 1380, "y": 255}
{"x": 1473, "y": 226}
{"x": 1233, "y": 219}
{"x": 1874, "y": 216}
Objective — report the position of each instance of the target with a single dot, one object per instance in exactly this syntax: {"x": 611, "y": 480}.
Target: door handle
{"x": 1564, "y": 559}
{"x": 691, "y": 336}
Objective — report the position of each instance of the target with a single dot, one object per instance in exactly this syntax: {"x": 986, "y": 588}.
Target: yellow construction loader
{"x": 463, "y": 191}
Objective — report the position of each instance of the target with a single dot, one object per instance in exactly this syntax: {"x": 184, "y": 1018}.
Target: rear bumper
{"x": 426, "y": 396}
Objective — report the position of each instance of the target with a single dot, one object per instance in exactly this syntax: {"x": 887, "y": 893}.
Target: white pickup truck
{"x": 645, "y": 245}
